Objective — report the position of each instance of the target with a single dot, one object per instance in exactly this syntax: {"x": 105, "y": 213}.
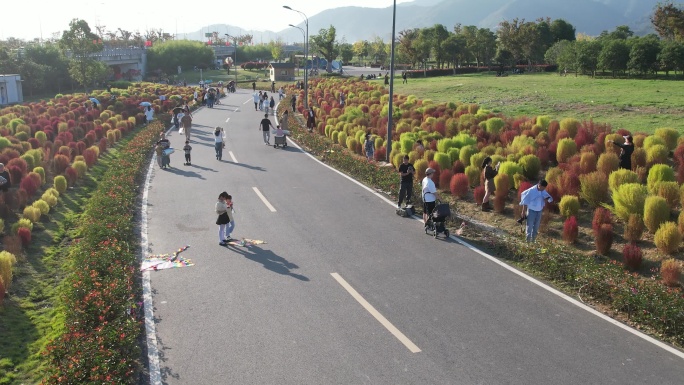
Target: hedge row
{"x": 100, "y": 339}
{"x": 418, "y": 73}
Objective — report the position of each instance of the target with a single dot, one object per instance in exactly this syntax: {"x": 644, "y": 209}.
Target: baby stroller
{"x": 280, "y": 141}
{"x": 436, "y": 222}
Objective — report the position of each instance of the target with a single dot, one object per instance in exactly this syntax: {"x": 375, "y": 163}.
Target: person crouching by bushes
{"x": 532, "y": 201}
{"x": 369, "y": 147}
{"x": 488, "y": 173}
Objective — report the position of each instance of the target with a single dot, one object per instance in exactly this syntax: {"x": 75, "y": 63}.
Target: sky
{"x": 26, "y": 19}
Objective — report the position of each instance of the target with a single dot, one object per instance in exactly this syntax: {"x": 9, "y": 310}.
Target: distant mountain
{"x": 359, "y": 23}
{"x": 222, "y": 29}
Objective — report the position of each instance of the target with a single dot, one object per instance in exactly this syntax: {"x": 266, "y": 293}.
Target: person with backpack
{"x": 369, "y": 147}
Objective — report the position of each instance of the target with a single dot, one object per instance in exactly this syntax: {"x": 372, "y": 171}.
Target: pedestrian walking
{"x": 186, "y": 149}
{"x": 273, "y": 87}
{"x": 369, "y": 147}
{"x": 253, "y": 86}
{"x": 281, "y": 93}
{"x": 626, "y": 150}
{"x": 219, "y": 143}
{"x": 186, "y": 123}
{"x": 533, "y": 201}
{"x": 265, "y": 125}
{"x": 164, "y": 144}
{"x": 342, "y": 99}
{"x": 311, "y": 119}
{"x": 272, "y": 104}
{"x": 404, "y": 77}
{"x": 488, "y": 174}
{"x": 293, "y": 103}
{"x": 261, "y": 101}
{"x": 149, "y": 114}
{"x": 430, "y": 194}
{"x": 284, "y": 124}
{"x": 257, "y": 98}
{"x": 406, "y": 171}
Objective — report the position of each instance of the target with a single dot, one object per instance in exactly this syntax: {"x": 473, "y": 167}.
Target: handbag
{"x": 168, "y": 151}
{"x": 181, "y": 130}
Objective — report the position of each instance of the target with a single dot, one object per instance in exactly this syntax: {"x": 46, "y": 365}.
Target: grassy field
{"x": 634, "y": 104}
{"x": 193, "y": 77}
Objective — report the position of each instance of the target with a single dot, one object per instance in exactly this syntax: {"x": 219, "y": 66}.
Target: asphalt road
{"x": 275, "y": 314}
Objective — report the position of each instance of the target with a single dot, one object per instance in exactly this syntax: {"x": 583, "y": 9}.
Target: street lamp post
{"x": 388, "y": 147}
{"x": 306, "y": 56}
{"x": 235, "y": 62}
{"x": 303, "y": 35}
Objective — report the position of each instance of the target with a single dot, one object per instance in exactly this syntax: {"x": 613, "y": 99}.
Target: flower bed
{"x": 102, "y": 322}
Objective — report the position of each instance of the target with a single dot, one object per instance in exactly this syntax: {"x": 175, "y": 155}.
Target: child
{"x": 223, "y": 218}
{"x": 279, "y": 132}
{"x": 187, "y": 148}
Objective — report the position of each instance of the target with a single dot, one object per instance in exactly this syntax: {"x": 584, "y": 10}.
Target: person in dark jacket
{"x": 626, "y": 150}
{"x": 488, "y": 173}
{"x": 5, "y": 182}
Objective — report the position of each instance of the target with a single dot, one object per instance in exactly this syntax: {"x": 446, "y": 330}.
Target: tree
{"x": 167, "y": 56}
{"x": 614, "y": 56}
{"x": 378, "y": 51}
{"x": 621, "y": 32}
{"x": 438, "y": 34}
{"x": 509, "y": 38}
{"x": 361, "y": 49}
{"x": 454, "y": 48}
{"x": 668, "y": 21}
{"x": 587, "y": 56}
{"x": 81, "y": 42}
{"x": 562, "y": 54}
{"x": 56, "y": 65}
{"x": 486, "y": 46}
{"x": 406, "y": 48}
{"x": 671, "y": 57}
{"x": 325, "y": 44}
{"x": 562, "y": 30}
{"x": 346, "y": 52}
{"x": 643, "y": 55}
{"x": 504, "y": 57}
{"x": 277, "y": 49}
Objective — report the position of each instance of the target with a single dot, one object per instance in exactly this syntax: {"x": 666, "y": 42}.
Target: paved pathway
{"x": 347, "y": 292}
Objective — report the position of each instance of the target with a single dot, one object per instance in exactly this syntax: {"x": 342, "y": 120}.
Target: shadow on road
{"x": 255, "y": 168}
{"x": 269, "y": 260}
{"x": 189, "y": 174}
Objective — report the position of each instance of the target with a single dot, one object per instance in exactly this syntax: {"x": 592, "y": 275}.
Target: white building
{"x": 11, "y": 91}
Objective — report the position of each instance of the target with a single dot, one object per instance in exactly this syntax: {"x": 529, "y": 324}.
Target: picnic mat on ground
{"x": 165, "y": 261}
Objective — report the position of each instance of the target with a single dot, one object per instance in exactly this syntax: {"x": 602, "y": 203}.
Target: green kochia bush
{"x": 466, "y": 152}
{"x": 443, "y": 160}
{"x": 656, "y": 212}
{"x": 657, "y": 154}
{"x": 620, "y": 177}
{"x": 569, "y": 206}
{"x": 60, "y": 184}
{"x": 566, "y": 148}
{"x": 653, "y": 140}
{"x": 510, "y": 169}
{"x": 669, "y": 136}
{"x": 667, "y": 238}
{"x": 570, "y": 125}
{"x": 494, "y": 125}
{"x": 531, "y": 166}
{"x": 477, "y": 159}
{"x": 659, "y": 173}
{"x": 629, "y": 198}
{"x": 594, "y": 188}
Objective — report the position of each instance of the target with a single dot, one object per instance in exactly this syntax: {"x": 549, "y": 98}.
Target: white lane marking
{"x": 237, "y": 109}
{"x": 376, "y": 314}
{"x": 263, "y": 199}
{"x": 544, "y": 286}
{"x": 248, "y": 100}
{"x": 227, "y": 120}
{"x": 232, "y": 156}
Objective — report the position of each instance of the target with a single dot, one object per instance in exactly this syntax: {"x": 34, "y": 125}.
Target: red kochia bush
{"x": 71, "y": 175}
{"x": 25, "y": 235}
{"x": 434, "y": 165}
{"x": 478, "y": 194}
{"x": 60, "y": 163}
{"x": 15, "y": 174}
{"x": 570, "y": 230}
{"x": 632, "y": 256}
{"x": 380, "y": 154}
{"x": 30, "y": 185}
{"x": 90, "y": 157}
{"x": 601, "y": 216}
{"x": 458, "y": 168}
{"x": 445, "y": 179}
{"x": 459, "y": 186}
{"x": 103, "y": 145}
{"x": 604, "y": 238}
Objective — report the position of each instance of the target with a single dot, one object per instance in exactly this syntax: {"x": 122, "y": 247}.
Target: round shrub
{"x": 445, "y": 179}
{"x": 570, "y": 126}
{"x": 543, "y": 121}
{"x": 29, "y": 161}
{"x": 52, "y": 191}
{"x": 553, "y": 175}
{"x": 510, "y": 169}
{"x": 459, "y": 185}
{"x": 659, "y": 173}
{"x": 670, "y": 272}
{"x": 594, "y": 188}
{"x": 454, "y": 154}
{"x": 24, "y": 235}
{"x": 570, "y": 230}
{"x": 653, "y": 140}
{"x": 607, "y": 163}
{"x": 632, "y": 256}
{"x": 620, "y": 177}
{"x": 588, "y": 162}
{"x": 30, "y": 185}
{"x": 32, "y": 213}
{"x": 639, "y": 158}
{"x": 566, "y": 149}
{"x": 656, "y": 212}
{"x": 61, "y": 182}
{"x": 669, "y": 191}
{"x": 473, "y": 174}
{"x": 604, "y": 238}
{"x": 531, "y": 166}
{"x": 42, "y": 205}
{"x": 657, "y": 154}
{"x": 494, "y": 125}
{"x": 569, "y": 206}
{"x": 634, "y": 228}
{"x": 443, "y": 160}
{"x": 420, "y": 165}
{"x": 443, "y": 145}
{"x": 41, "y": 136}
{"x": 50, "y": 199}
{"x": 669, "y": 136}
{"x": 667, "y": 238}
{"x": 466, "y": 152}
{"x": 40, "y": 171}
{"x": 477, "y": 159}
{"x": 22, "y": 222}
{"x": 629, "y": 198}
{"x": 520, "y": 143}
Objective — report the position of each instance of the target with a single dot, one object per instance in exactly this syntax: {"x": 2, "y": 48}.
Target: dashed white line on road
{"x": 227, "y": 120}
{"x": 388, "y": 325}
{"x": 248, "y": 100}
{"x": 263, "y": 199}
{"x": 237, "y": 109}
{"x": 232, "y": 156}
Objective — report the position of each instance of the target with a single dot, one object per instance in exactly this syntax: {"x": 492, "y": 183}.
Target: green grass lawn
{"x": 193, "y": 77}
{"x": 635, "y": 104}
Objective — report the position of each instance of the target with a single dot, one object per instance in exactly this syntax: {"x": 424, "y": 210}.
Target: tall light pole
{"x": 390, "y": 123}
{"x": 306, "y": 56}
{"x": 304, "y": 36}
{"x": 234, "y": 63}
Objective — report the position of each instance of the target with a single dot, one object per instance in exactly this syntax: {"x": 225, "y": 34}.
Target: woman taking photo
{"x": 488, "y": 173}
